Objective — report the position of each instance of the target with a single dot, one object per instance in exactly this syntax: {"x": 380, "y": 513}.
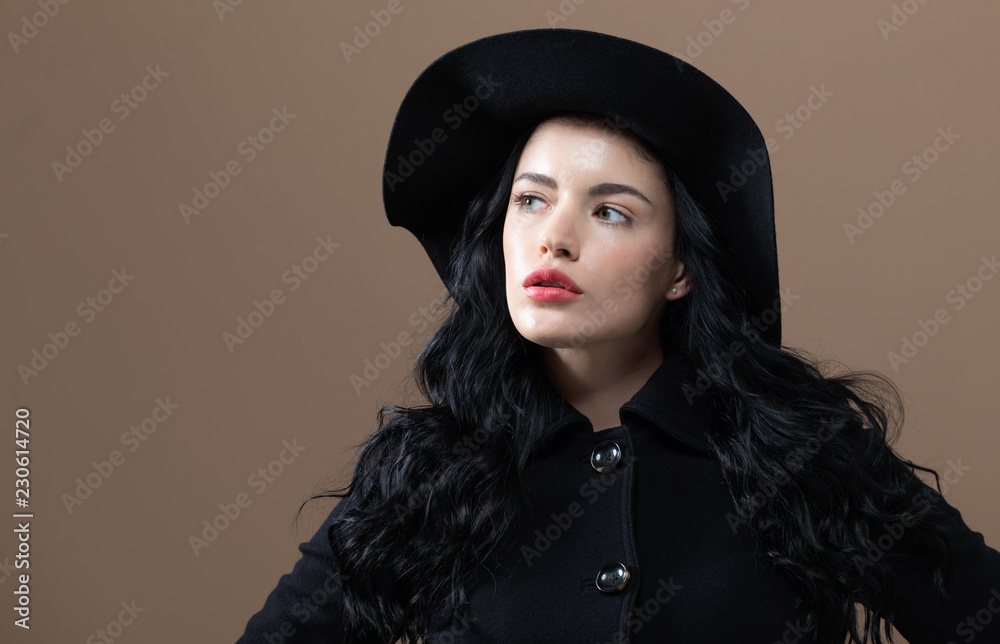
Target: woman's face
{"x": 585, "y": 203}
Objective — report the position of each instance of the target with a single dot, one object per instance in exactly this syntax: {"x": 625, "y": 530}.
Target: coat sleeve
{"x": 306, "y": 606}
{"x": 972, "y": 611}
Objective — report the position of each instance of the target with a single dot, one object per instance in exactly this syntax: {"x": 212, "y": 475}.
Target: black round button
{"x": 612, "y": 578}
{"x": 606, "y": 456}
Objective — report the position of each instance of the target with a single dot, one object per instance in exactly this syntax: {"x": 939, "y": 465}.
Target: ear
{"x": 681, "y": 283}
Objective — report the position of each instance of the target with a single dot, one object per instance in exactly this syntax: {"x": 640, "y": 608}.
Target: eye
{"x": 525, "y": 201}
{"x": 605, "y": 208}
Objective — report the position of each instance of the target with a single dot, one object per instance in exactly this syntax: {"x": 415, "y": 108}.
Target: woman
{"x": 616, "y": 447}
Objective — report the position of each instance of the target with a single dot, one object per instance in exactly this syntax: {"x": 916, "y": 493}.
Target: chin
{"x": 558, "y": 339}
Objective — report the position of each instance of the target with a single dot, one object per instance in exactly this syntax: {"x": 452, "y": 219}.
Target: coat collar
{"x": 669, "y": 401}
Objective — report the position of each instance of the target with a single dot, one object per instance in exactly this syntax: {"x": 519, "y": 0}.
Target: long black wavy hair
{"x": 437, "y": 487}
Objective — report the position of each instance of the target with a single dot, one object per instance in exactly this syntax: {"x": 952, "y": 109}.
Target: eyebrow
{"x": 598, "y": 190}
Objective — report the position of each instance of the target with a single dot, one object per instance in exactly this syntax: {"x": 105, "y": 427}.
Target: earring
{"x": 675, "y": 290}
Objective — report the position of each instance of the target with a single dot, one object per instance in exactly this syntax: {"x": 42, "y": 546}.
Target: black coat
{"x": 650, "y": 550}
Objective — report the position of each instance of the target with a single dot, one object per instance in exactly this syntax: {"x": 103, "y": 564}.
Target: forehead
{"x": 590, "y": 145}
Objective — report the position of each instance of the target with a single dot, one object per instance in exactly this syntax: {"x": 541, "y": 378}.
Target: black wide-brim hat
{"x": 464, "y": 112}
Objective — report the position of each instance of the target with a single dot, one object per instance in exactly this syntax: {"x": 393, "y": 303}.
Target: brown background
{"x": 163, "y": 335}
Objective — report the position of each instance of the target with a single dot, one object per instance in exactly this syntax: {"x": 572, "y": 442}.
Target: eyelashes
{"x": 518, "y": 200}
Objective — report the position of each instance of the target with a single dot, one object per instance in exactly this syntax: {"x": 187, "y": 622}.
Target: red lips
{"x": 548, "y": 276}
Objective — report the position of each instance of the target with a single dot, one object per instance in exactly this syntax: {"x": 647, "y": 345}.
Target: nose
{"x": 558, "y": 234}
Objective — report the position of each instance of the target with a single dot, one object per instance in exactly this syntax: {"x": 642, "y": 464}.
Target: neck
{"x": 598, "y": 379}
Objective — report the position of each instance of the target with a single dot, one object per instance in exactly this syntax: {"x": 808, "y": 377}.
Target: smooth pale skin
{"x": 627, "y": 272}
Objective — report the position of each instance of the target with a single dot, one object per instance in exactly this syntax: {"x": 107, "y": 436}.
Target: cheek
{"x": 507, "y": 246}
{"x": 509, "y": 254}
{"x": 626, "y": 277}
{"x": 513, "y": 245}
{"x": 614, "y": 264}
